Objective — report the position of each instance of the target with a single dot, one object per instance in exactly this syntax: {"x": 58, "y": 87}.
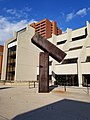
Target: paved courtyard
{"x": 22, "y": 103}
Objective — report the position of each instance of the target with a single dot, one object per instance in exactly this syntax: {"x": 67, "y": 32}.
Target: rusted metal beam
{"x": 43, "y": 72}
{"x": 47, "y": 46}
{"x": 49, "y": 49}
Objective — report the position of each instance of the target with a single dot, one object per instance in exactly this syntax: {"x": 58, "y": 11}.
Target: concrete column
{"x": 79, "y": 72}
{"x": 88, "y": 28}
{"x": 69, "y": 34}
{"x": 53, "y": 72}
{"x": 4, "y": 63}
{"x": 54, "y": 41}
{"x": 69, "y": 38}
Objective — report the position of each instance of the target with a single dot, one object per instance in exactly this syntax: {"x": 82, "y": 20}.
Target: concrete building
{"x": 21, "y": 57}
{"x": 76, "y": 65}
{"x": 46, "y": 28}
{"x": 1, "y": 58}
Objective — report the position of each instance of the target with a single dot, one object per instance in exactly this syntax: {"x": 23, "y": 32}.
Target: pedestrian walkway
{"x": 22, "y": 103}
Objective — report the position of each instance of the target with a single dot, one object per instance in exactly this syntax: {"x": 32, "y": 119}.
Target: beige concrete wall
{"x": 62, "y": 37}
{"x": 72, "y": 54}
{"x": 4, "y": 63}
{"x": 77, "y": 43}
{"x": 78, "y": 32}
{"x": 27, "y": 57}
{"x": 60, "y": 46}
{"x": 88, "y": 51}
{"x": 85, "y": 68}
{"x": 66, "y": 69}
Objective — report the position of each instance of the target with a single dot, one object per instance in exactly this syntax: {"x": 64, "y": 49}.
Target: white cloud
{"x": 89, "y": 9}
{"x": 7, "y": 28}
{"x": 11, "y": 11}
{"x": 69, "y": 16}
{"x": 28, "y": 9}
{"x": 82, "y": 12}
{"x": 18, "y": 12}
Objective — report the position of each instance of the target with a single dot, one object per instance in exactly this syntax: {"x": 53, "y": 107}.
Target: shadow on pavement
{"x": 62, "y": 110}
{"x": 5, "y": 88}
{"x": 52, "y": 87}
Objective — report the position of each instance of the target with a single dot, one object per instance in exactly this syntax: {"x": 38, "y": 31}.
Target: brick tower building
{"x": 46, "y": 28}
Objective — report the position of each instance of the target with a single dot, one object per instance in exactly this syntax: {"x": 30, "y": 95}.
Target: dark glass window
{"x": 50, "y": 63}
{"x": 86, "y": 80}
{"x": 61, "y": 42}
{"x": 88, "y": 59}
{"x": 11, "y": 60}
{"x": 75, "y": 48}
{"x": 80, "y": 37}
{"x": 69, "y": 61}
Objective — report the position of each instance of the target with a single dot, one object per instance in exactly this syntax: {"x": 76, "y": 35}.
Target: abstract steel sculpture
{"x": 49, "y": 49}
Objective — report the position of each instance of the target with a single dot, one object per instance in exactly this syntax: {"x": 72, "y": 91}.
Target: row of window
{"x": 75, "y": 38}
{"x": 74, "y": 60}
{"x": 11, "y": 63}
{"x": 69, "y": 61}
{"x": 72, "y": 80}
{"x": 75, "y": 48}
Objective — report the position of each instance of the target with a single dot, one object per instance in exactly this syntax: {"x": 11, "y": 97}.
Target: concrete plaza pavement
{"x": 22, "y": 103}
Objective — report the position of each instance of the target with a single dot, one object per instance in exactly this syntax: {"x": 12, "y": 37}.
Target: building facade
{"x": 75, "y": 68}
{"x": 21, "y": 57}
{"x": 46, "y": 28}
{"x": 1, "y": 58}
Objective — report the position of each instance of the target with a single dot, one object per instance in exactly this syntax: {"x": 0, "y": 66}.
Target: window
{"x": 75, "y": 48}
{"x": 69, "y": 61}
{"x": 61, "y": 42}
{"x": 80, "y": 37}
{"x": 88, "y": 59}
{"x": 50, "y": 63}
{"x": 86, "y": 80}
{"x": 11, "y": 63}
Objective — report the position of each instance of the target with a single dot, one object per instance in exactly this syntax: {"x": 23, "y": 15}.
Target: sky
{"x": 16, "y": 14}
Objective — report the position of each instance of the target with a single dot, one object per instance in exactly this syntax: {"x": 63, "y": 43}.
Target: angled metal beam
{"x": 47, "y": 46}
